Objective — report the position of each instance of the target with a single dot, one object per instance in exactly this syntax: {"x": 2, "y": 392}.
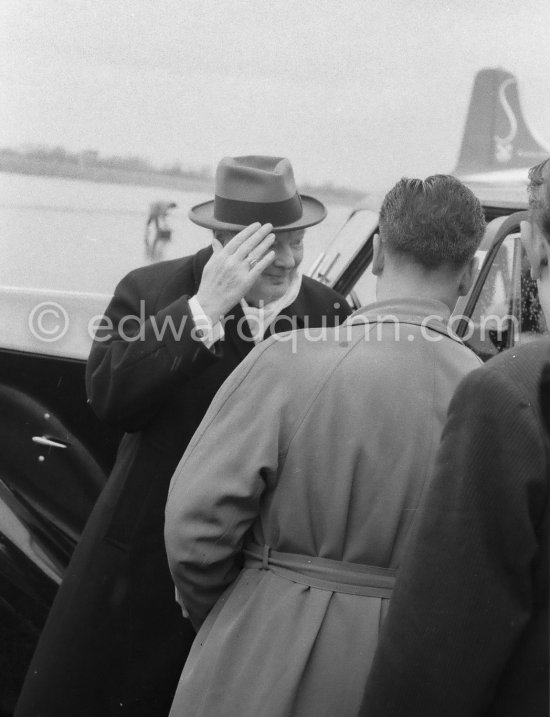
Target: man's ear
{"x": 535, "y": 247}
{"x": 377, "y": 255}
{"x": 466, "y": 279}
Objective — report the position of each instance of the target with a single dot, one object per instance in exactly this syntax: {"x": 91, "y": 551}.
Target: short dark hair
{"x": 539, "y": 195}
{"x": 436, "y": 221}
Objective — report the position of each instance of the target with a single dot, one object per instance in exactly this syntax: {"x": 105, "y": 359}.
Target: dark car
{"x": 56, "y": 455}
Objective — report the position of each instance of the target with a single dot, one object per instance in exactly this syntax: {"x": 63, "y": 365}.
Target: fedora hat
{"x": 257, "y": 189}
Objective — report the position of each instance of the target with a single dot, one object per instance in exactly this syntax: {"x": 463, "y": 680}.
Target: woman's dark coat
{"x": 467, "y": 630}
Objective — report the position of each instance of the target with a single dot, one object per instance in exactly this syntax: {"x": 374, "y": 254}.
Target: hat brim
{"x": 313, "y": 212}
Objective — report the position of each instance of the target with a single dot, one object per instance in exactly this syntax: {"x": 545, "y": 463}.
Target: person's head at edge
{"x": 429, "y": 232}
{"x": 261, "y": 188}
{"x": 535, "y": 233}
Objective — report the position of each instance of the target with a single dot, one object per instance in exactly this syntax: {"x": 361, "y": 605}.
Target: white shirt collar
{"x": 260, "y": 318}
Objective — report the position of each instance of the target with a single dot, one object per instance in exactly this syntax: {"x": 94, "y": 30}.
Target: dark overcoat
{"x": 115, "y": 641}
{"x": 467, "y": 631}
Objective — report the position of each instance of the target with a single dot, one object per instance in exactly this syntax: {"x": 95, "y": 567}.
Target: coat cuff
{"x": 205, "y": 330}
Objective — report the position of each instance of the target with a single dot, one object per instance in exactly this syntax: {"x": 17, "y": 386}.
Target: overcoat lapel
{"x": 289, "y": 318}
{"x": 237, "y": 333}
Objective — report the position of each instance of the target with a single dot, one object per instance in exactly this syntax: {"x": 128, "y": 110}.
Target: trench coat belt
{"x": 322, "y": 573}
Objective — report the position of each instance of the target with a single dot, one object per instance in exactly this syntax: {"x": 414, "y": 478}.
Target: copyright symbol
{"x": 48, "y": 321}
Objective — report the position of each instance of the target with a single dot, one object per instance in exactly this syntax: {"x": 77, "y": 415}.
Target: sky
{"x": 356, "y": 92}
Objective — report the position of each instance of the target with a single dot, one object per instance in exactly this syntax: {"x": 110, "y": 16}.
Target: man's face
{"x": 273, "y": 283}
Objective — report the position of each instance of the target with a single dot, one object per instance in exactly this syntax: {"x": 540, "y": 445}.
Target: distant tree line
{"x": 89, "y": 164}
{"x": 90, "y": 159}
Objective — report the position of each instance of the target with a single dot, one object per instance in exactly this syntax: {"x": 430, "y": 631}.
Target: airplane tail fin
{"x": 496, "y": 136}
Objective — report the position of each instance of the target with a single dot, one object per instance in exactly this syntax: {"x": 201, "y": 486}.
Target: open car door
{"x": 346, "y": 263}
{"x": 502, "y": 309}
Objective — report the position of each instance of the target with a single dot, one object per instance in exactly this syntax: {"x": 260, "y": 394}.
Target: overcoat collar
{"x": 200, "y": 260}
{"x": 297, "y": 309}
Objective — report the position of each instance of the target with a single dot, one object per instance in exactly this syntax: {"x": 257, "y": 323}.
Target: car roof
{"x": 496, "y": 198}
{"x": 510, "y": 197}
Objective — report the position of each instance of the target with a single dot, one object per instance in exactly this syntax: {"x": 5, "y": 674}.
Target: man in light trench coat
{"x": 286, "y": 522}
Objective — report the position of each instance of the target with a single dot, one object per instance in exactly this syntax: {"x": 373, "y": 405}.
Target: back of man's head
{"x": 539, "y": 196}
{"x": 435, "y": 222}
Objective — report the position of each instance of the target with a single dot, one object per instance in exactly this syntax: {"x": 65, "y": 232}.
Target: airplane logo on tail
{"x": 503, "y": 145}
{"x": 496, "y": 137}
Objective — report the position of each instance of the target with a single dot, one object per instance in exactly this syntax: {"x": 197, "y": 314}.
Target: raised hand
{"x": 234, "y": 268}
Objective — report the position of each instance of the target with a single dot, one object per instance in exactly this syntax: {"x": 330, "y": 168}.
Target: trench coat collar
{"x": 431, "y": 313}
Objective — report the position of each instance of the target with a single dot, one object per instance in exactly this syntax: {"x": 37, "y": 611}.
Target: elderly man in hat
{"x": 115, "y": 641}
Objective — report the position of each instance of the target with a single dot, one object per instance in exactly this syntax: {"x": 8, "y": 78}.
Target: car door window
{"x": 507, "y": 312}
{"x": 495, "y": 319}
{"x": 532, "y": 320}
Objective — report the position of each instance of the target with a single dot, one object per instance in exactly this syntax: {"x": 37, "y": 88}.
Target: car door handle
{"x": 50, "y": 442}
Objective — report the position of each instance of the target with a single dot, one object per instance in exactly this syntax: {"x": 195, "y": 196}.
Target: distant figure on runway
{"x": 158, "y": 216}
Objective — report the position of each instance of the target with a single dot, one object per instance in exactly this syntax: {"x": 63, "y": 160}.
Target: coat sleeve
{"x": 464, "y": 591}
{"x": 217, "y": 487}
{"x": 140, "y": 354}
